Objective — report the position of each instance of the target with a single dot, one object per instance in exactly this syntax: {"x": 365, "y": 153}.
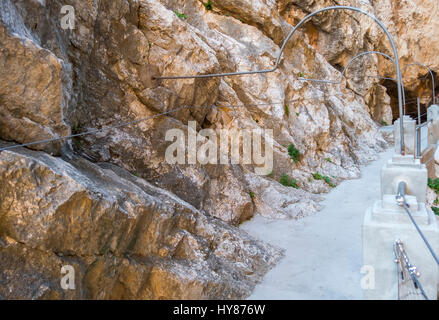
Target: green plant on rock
{"x": 328, "y": 159}
{"x": 434, "y": 184}
{"x": 208, "y": 5}
{"x": 318, "y": 176}
{"x": 287, "y": 110}
{"x": 384, "y": 123}
{"x": 252, "y": 194}
{"x": 286, "y": 181}
{"x": 294, "y": 153}
{"x": 182, "y": 16}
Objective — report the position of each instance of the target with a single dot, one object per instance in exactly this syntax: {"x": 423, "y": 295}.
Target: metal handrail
{"x": 403, "y": 261}
{"x": 431, "y": 74}
{"x": 351, "y": 62}
{"x": 418, "y": 130}
{"x": 185, "y": 107}
{"x": 400, "y": 200}
{"x": 309, "y": 16}
{"x": 424, "y": 124}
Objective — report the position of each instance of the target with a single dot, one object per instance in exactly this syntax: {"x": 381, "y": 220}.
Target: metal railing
{"x": 419, "y": 148}
{"x": 433, "y": 90}
{"x": 295, "y": 28}
{"x": 168, "y": 112}
{"x": 350, "y": 62}
{"x": 409, "y": 286}
{"x": 396, "y": 59}
{"x": 400, "y": 200}
{"x": 431, "y": 74}
{"x": 418, "y": 132}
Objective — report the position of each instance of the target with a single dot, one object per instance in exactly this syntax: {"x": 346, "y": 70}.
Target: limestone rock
{"x": 31, "y": 97}
{"x": 414, "y": 25}
{"x": 134, "y": 225}
{"x": 128, "y": 241}
{"x": 379, "y": 105}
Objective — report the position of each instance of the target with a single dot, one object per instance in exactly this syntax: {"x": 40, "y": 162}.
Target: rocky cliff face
{"x": 415, "y": 25}
{"x": 132, "y": 224}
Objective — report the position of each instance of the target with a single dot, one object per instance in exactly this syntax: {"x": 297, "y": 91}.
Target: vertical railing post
{"x": 418, "y": 130}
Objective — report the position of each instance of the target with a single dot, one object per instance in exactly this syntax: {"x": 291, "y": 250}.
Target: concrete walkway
{"x": 323, "y": 255}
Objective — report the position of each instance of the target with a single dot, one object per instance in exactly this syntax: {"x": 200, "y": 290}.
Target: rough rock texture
{"x": 125, "y": 238}
{"x": 30, "y": 92}
{"x": 414, "y": 24}
{"x": 343, "y": 34}
{"x": 153, "y": 229}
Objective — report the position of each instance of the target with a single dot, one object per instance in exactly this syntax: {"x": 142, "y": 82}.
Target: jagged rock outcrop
{"x": 126, "y": 238}
{"x": 30, "y": 92}
{"x": 414, "y": 25}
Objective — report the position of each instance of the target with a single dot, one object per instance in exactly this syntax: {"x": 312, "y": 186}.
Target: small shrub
{"x": 252, "y": 194}
{"x": 286, "y": 181}
{"x": 297, "y": 114}
{"x": 208, "y": 5}
{"x": 434, "y": 184}
{"x": 328, "y": 159}
{"x": 301, "y": 75}
{"x": 182, "y": 16}
{"x": 287, "y": 110}
{"x": 294, "y": 153}
{"x": 384, "y": 123}
{"x": 318, "y": 176}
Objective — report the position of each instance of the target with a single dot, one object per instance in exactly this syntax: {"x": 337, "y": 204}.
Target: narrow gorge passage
{"x": 323, "y": 252}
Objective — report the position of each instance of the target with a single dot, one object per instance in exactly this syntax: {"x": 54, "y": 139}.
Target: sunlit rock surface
{"x": 134, "y": 225}
{"x": 125, "y": 238}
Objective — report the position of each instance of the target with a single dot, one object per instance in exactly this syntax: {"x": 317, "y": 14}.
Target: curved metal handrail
{"x": 309, "y": 16}
{"x": 351, "y": 62}
{"x": 405, "y": 67}
{"x": 431, "y": 74}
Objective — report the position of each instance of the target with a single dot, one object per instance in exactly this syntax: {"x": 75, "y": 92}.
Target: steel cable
{"x": 129, "y": 123}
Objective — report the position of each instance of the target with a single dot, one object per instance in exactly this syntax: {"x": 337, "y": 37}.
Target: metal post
{"x": 418, "y": 130}
{"x": 389, "y": 36}
{"x": 400, "y": 195}
{"x": 418, "y": 142}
